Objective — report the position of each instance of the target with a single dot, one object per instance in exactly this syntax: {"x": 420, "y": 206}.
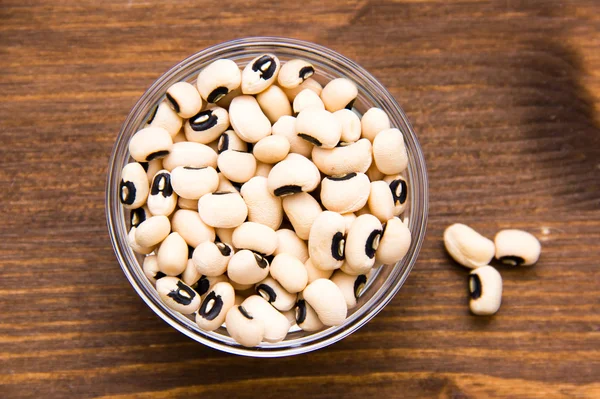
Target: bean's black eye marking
{"x": 260, "y": 260}
{"x": 156, "y": 155}
{"x": 173, "y": 103}
{"x": 223, "y": 144}
{"x": 162, "y": 185}
{"x": 372, "y": 243}
{"x": 359, "y": 284}
{"x": 300, "y": 311}
{"x": 183, "y": 294}
{"x": 399, "y": 191}
{"x": 211, "y": 307}
{"x": 203, "y": 120}
{"x": 342, "y": 178}
{"x": 287, "y": 190}
{"x": 337, "y": 246}
{"x": 512, "y": 260}
{"x": 245, "y": 313}
{"x": 266, "y": 66}
{"x": 306, "y": 72}
{"x": 137, "y": 216}
{"x": 266, "y": 292}
{"x": 217, "y": 94}
{"x": 128, "y": 190}
{"x": 202, "y": 285}
{"x": 475, "y": 286}
{"x": 223, "y": 248}
{"x": 310, "y": 139}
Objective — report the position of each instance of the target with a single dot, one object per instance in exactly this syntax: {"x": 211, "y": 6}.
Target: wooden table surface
{"x": 505, "y": 97}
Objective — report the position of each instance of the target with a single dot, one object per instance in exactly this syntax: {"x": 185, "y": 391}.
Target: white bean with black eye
{"x": 327, "y": 300}
{"x": 485, "y": 291}
{"x": 351, "y": 127}
{"x": 362, "y": 241}
{"x": 150, "y": 143}
{"x": 260, "y": 73}
{"x": 263, "y": 207}
{"x": 133, "y": 189}
{"x": 207, "y": 125}
{"x": 338, "y": 94}
{"x": 394, "y": 243}
{"x": 295, "y": 72}
{"x": 290, "y": 272}
{"x": 187, "y": 153}
{"x": 271, "y": 149}
{"x": 229, "y": 140}
{"x": 351, "y": 286}
{"x": 289, "y": 242}
{"x": 218, "y": 79}
{"x": 293, "y": 175}
{"x": 356, "y": 157}
{"x": 347, "y": 193}
{"x": 309, "y": 83}
{"x": 173, "y": 255}
{"x": 211, "y": 258}
{"x": 184, "y": 99}
{"x": 306, "y": 317}
{"x": 237, "y": 166}
{"x": 468, "y": 247}
{"x": 247, "y": 267}
{"x": 225, "y": 101}
{"x": 190, "y": 226}
{"x": 178, "y": 295}
{"x": 214, "y": 307}
{"x": 276, "y": 324}
{"x": 192, "y": 183}
{"x": 255, "y": 237}
{"x": 327, "y": 240}
{"x": 162, "y": 199}
{"x": 307, "y": 99}
{"x": 222, "y": 209}
{"x": 318, "y": 127}
{"x": 381, "y": 201}
{"x": 517, "y": 247}
{"x": 275, "y": 294}
{"x": 314, "y": 273}
{"x": 243, "y": 327}
{"x": 248, "y": 120}
{"x": 152, "y": 231}
{"x": 399, "y": 188}
{"x": 301, "y": 209}
{"x": 389, "y": 152}
{"x": 274, "y": 103}
{"x": 137, "y": 248}
{"x": 206, "y": 283}
{"x": 374, "y": 121}
{"x": 151, "y": 270}
{"x": 286, "y": 127}
{"x": 166, "y": 118}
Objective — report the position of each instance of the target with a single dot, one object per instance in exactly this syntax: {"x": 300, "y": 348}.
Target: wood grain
{"x": 505, "y": 97}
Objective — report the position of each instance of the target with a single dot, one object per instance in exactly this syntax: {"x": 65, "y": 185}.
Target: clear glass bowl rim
{"x": 417, "y": 177}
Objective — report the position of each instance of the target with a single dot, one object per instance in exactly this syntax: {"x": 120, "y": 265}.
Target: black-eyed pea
{"x": 243, "y": 327}
{"x": 222, "y": 209}
{"x": 133, "y": 189}
{"x": 286, "y": 127}
{"x": 275, "y": 294}
{"x": 362, "y": 241}
{"x": 399, "y": 189}
{"x": 327, "y": 240}
{"x": 263, "y": 207}
{"x": 152, "y": 231}
{"x": 349, "y": 218}
{"x": 271, "y": 149}
{"x": 389, "y": 152}
{"x": 187, "y": 153}
{"x": 151, "y": 270}
{"x": 229, "y": 140}
{"x": 166, "y": 118}
{"x": 394, "y": 243}
{"x": 206, "y": 283}
{"x": 173, "y": 255}
{"x": 468, "y": 247}
{"x": 225, "y": 235}
{"x": 307, "y": 99}
{"x": 318, "y": 127}
{"x": 295, "y": 174}
{"x": 309, "y": 83}
{"x": 214, "y": 307}
{"x": 137, "y": 248}
{"x": 190, "y": 275}
{"x": 289, "y": 242}
{"x": 150, "y": 143}
{"x": 162, "y": 199}
{"x": 314, "y": 273}
{"x": 260, "y": 73}
{"x": 381, "y": 201}
{"x": 178, "y": 295}
{"x": 247, "y": 267}
{"x": 207, "y": 125}
{"x": 152, "y": 168}
{"x": 351, "y": 127}
{"x": 225, "y": 101}
{"x": 192, "y": 183}
{"x": 248, "y": 120}
{"x": 184, "y": 99}
{"x": 263, "y": 169}
{"x": 217, "y": 79}
{"x": 276, "y": 324}
{"x": 294, "y": 72}
{"x": 191, "y": 227}
{"x": 517, "y": 247}
{"x": 302, "y": 210}
{"x": 485, "y": 291}
{"x": 211, "y": 258}
{"x": 290, "y": 272}
{"x": 237, "y": 166}
{"x": 339, "y": 93}
{"x": 255, "y": 237}
{"x": 138, "y": 216}
{"x": 306, "y": 317}
{"x": 346, "y": 193}
{"x": 374, "y": 121}
{"x": 355, "y": 157}
{"x": 327, "y": 300}
{"x": 274, "y": 103}
{"x": 351, "y": 286}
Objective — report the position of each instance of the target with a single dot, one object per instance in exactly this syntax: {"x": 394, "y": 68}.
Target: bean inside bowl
{"x": 384, "y": 282}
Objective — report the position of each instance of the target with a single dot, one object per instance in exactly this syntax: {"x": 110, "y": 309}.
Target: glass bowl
{"x": 385, "y": 282}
